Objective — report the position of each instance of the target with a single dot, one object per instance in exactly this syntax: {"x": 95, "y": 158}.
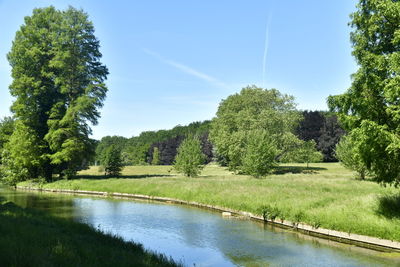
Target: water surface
{"x": 200, "y": 237}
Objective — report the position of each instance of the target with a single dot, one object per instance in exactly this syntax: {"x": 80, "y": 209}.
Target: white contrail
{"x": 187, "y": 69}
{"x": 266, "y": 50}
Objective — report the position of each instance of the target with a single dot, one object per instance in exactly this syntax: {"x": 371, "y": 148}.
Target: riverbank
{"x": 326, "y": 196}
{"x": 32, "y": 238}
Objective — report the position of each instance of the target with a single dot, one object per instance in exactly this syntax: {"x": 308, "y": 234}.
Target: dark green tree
{"x": 370, "y": 108}
{"x": 189, "y": 159}
{"x": 112, "y": 161}
{"x": 58, "y": 85}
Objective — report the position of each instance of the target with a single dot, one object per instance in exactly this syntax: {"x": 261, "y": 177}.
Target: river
{"x": 200, "y": 237}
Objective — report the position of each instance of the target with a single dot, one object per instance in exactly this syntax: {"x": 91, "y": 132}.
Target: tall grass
{"x": 326, "y": 195}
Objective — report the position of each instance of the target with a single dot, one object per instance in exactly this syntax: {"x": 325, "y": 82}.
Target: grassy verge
{"x": 31, "y": 238}
{"x": 326, "y": 196}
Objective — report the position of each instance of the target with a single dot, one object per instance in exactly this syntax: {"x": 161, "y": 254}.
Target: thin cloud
{"x": 264, "y": 70}
{"x": 187, "y": 69}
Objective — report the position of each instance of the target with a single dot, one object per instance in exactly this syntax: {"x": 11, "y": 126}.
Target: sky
{"x": 172, "y": 62}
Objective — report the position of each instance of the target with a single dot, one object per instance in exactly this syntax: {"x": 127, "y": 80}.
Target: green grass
{"x": 327, "y": 196}
{"x": 31, "y": 238}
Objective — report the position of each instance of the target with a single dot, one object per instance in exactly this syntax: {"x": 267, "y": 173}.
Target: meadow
{"x": 325, "y": 195}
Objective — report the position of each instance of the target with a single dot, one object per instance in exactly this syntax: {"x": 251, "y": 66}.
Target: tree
{"x": 156, "y": 157}
{"x": 254, "y": 109}
{"x": 189, "y": 159}
{"x": 310, "y": 126}
{"x": 370, "y": 108}
{"x": 330, "y": 134}
{"x": 348, "y": 153}
{"x": 260, "y": 153}
{"x": 58, "y": 85}
{"x": 21, "y": 156}
{"x": 324, "y": 129}
{"x": 305, "y": 153}
{"x": 112, "y": 161}
{"x": 106, "y": 142}
{"x": 6, "y": 130}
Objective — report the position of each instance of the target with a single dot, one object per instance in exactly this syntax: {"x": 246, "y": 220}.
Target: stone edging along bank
{"x": 349, "y": 238}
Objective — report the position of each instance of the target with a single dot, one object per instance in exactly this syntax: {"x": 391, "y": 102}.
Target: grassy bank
{"x": 326, "y": 196}
{"x": 31, "y": 238}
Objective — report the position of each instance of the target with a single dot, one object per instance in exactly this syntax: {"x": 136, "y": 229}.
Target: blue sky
{"x": 172, "y": 62}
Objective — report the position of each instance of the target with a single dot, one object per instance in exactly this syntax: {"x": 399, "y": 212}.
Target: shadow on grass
{"x": 296, "y": 169}
{"x": 389, "y": 206}
{"x": 140, "y": 176}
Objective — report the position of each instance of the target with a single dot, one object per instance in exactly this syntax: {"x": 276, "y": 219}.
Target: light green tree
{"x": 21, "y": 156}
{"x": 112, "y": 161}
{"x": 370, "y": 108}
{"x": 348, "y": 153}
{"x": 6, "y": 130}
{"x": 306, "y": 152}
{"x": 260, "y": 153}
{"x": 189, "y": 159}
{"x": 254, "y": 109}
{"x": 156, "y": 157}
{"x": 58, "y": 85}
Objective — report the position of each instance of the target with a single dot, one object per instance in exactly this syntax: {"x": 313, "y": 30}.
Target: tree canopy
{"x": 58, "y": 85}
{"x": 370, "y": 108}
{"x": 254, "y": 109}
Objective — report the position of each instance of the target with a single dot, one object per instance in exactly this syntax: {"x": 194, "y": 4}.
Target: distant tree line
{"x": 138, "y": 150}
{"x": 322, "y": 127}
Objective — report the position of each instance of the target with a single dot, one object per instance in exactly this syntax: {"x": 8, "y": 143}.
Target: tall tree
{"x": 58, "y": 84}
{"x": 254, "y": 109}
{"x": 370, "y": 108}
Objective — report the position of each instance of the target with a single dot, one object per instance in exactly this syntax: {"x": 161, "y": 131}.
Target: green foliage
{"x": 370, "y": 108}
{"x": 305, "y": 153}
{"x": 348, "y": 153}
{"x": 58, "y": 85}
{"x": 189, "y": 159}
{"x": 270, "y": 212}
{"x": 156, "y": 157}
{"x": 21, "y": 155}
{"x": 107, "y": 141}
{"x": 137, "y": 150}
{"x": 255, "y": 109}
{"x": 6, "y": 130}
{"x": 112, "y": 161}
{"x": 260, "y": 153}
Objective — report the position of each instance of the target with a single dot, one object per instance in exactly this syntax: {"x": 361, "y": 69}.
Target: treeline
{"x": 320, "y": 126}
{"x": 139, "y": 150}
